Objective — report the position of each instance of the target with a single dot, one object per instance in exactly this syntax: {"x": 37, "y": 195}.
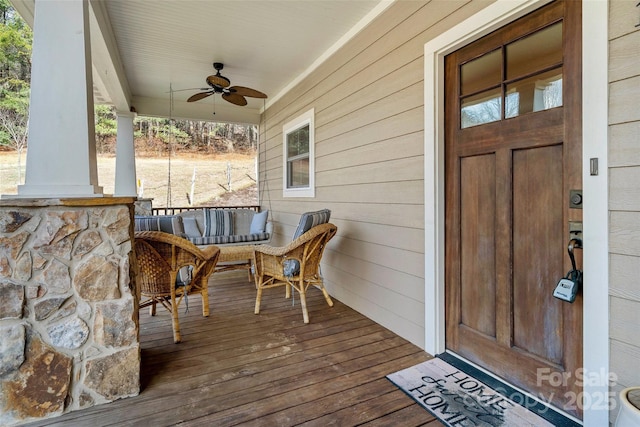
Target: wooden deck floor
{"x": 236, "y": 368}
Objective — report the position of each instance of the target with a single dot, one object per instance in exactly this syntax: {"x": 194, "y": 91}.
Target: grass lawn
{"x": 211, "y": 180}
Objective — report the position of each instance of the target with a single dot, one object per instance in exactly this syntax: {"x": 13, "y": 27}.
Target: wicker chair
{"x": 160, "y": 256}
{"x": 306, "y": 251}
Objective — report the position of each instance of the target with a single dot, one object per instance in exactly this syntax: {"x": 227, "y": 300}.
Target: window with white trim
{"x": 298, "y": 145}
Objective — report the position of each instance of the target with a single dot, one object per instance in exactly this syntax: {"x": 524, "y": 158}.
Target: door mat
{"x": 458, "y": 399}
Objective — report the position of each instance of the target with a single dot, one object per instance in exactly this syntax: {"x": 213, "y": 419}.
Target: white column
{"x": 125, "y": 184}
{"x": 61, "y": 156}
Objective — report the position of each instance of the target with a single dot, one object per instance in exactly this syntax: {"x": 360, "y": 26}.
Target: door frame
{"x": 595, "y": 188}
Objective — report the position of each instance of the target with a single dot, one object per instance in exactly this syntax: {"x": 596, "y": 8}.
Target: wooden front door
{"x": 513, "y": 154}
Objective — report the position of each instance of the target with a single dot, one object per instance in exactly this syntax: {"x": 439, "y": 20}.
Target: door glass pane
{"x": 481, "y": 73}
{"x": 536, "y": 93}
{"x": 538, "y": 51}
{"x": 482, "y": 108}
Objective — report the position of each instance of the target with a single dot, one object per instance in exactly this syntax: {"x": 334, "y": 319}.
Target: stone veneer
{"x": 68, "y": 313}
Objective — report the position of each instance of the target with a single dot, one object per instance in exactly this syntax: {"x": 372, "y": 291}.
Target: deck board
{"x": 236, "y": 368}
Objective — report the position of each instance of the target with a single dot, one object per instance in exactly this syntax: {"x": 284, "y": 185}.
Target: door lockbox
{"x": 568, "y": 287}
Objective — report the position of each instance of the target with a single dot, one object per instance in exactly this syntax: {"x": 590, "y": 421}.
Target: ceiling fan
{"x": 220, "y": 84}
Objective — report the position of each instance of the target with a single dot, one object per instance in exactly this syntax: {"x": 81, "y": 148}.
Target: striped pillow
{"x": 217, "y": 222}
{"x": 308, "y": 220}
{"x": 171, "y": 224}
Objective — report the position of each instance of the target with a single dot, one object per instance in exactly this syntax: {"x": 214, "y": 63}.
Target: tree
{"x": 16, "y": 39}
{"x": 15, "y": 73}
{"x": 14, "y": 118}
{"x": 106, "y": 125}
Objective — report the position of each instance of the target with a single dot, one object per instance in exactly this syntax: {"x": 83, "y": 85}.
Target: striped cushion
{"x": 217, "y": 222}
{"x": 236, "y": 238}
{"x": 167, "y": 223}
{"x": 308, "y": 220}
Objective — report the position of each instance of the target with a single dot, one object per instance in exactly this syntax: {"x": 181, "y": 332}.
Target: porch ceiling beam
{"x": 107, "y": 65}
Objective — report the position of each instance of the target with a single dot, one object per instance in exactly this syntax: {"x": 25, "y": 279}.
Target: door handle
{"x": 573, "y": 244}
{"x": 568, "y": 287}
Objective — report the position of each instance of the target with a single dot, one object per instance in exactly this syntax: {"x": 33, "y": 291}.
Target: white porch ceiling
{"x": 142, "y": 48}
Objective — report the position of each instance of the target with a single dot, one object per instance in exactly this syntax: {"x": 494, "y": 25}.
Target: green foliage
{"x": 14, "y": 116}
{"x": 5, "y": 138}
{"x": 16, "y": 39}
{"x": 106, "y": 122}
{"x": 173, "y": 134}
{"x": 15, "y": 74}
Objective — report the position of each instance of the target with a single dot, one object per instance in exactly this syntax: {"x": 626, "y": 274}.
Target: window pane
{"x": 481, "y": 73}
{"x": 298, "y": 142}
{"x": 540, "y": 50}
{"x": 298, "y": 173}
{"x": 537, "y": 93}
{"x": 482, "y": 108}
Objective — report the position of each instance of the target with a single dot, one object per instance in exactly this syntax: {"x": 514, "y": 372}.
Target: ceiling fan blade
{"x": 218, "y": 80}
{"x": 245, "y": 91}
{"x": 234, "y": 98}
{"x": 199, "y": 96}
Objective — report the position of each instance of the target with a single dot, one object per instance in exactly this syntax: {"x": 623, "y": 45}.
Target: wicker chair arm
{"x": 172, "y": 239}
{"x": 210, "y": 252}
{"x": 284, "y": 250}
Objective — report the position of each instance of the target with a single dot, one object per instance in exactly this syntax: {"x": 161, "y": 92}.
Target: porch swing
{"x": 263, "y": 186}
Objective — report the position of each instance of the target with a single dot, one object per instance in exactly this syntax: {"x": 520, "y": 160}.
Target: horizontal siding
{"x": 376, "y": 302}
{"x": 624, "y": 60}
{"x": 623, "y": 17}
{"x": 624, "y": 325}
{"x": 373, "y": 173}
{"x": 623, "y": 100}
{"x": 624, "y": 194}
{"x": 624, "y": 233}
{"x": 368, "y": 100}
{"x": 625, "y": 271}
{"x": 623, "y": 145}
{"x": 624, "y": 191}
{"x": 624, "y": 363}
{"x": 395, "y": 268}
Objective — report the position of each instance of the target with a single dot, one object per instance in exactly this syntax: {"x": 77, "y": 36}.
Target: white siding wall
{"x": 368, "y": 99}
{"x": 624, "y": 191}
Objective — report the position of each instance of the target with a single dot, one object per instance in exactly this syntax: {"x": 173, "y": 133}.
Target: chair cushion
{"x": 290, "y": 267}
{"x": 234, "y": 238}
{"x": 259, "y": 222}
{"x": 217, "y": 222}
{"x": 308, "y": 220}
{"x": 167, "y": 223}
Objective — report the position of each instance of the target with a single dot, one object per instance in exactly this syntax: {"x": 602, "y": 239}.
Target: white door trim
{"x": 595, "y": 191}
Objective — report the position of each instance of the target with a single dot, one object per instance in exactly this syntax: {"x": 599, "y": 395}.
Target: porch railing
{"x": 175, "y": 210}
